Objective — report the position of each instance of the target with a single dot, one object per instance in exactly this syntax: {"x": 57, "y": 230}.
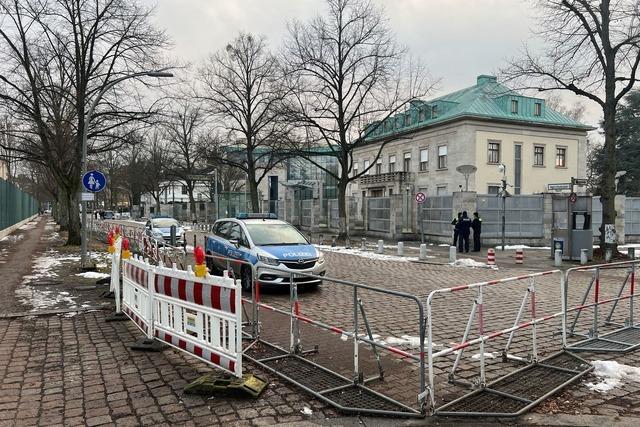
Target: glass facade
{"x": 300, "y": 169}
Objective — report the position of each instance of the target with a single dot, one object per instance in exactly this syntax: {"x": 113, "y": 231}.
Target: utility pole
{"x": 502, "y": 168}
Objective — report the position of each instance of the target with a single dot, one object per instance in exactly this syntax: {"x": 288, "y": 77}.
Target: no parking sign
{"x": 421, "y": 197}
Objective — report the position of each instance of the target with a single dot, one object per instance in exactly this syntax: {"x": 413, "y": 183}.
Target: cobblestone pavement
{"x": 74, "y": 368}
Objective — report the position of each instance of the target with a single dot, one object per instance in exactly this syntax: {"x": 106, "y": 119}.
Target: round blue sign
{"x": 94, "y": 181}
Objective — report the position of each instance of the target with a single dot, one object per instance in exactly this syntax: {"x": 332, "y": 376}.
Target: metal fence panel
{"x": 632, "y": 215}
{"x": 334, "y": 215}
{"x": 15, "y": 205}
{"x": 524, "y": 216}
{"x": 436, "y": 215}
{"x": 307, "y": 206}
{"x": 596, "y": 215}
{"x": 379, "y": 214}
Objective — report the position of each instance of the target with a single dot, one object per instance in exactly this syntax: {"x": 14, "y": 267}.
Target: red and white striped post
{"x": 519, "y": 256}
{"x": 491, "y": 256}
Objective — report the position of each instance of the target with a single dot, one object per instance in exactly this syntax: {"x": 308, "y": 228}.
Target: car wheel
{"x": 246, "y": 279}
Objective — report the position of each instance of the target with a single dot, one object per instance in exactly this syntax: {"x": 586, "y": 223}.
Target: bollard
{"x": 631, "y": 253}
{"x": 519, "y": 256}
{"x": 363, "y": 244}
{"x": 380, "y": 246}
{"x": 491, "y": 256}
{"x": 584, "y": 256}
{"x": 607, "y": 255}
{"x": 423, "y": 252}
{"x": 558, "y": 258}
{"x": 452, "y": 254}
{"x": 400, "y": 248}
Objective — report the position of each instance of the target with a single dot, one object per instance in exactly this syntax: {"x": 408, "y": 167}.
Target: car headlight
{"x": 320, "y": 258}
{"x": 268, "y": 260}
{"x": 156, "y": 233}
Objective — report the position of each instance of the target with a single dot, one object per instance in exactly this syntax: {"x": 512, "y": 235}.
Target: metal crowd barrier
{"x": 627, "y": 335}
{"x": 477, "y": 404}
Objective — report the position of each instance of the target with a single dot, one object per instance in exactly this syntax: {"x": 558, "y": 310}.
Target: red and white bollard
{"x": 519, "y": 256}
{"x": 491, "y": 257}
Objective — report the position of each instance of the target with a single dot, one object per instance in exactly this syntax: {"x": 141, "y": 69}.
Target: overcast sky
{"x": 456, "y": 39}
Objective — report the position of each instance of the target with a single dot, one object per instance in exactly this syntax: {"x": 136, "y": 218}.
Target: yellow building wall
{"x": 534, "y": 179}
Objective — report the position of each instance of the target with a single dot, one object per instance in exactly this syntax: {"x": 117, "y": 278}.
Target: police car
{"x": 265, "y": 242}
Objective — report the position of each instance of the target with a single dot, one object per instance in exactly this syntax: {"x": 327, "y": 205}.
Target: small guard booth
{"x": 572, "y": 226}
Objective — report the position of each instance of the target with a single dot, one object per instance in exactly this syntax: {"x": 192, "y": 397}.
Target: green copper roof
{"x": 487, "y": 99}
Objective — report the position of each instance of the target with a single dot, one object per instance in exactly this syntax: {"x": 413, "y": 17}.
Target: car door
{"x": 217, "y": 243}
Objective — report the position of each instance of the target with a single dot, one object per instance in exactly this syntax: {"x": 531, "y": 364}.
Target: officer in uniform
{"x": 476, "y": 226}
{"x": 464, "y": 230}
{"x": 456, "y": 228}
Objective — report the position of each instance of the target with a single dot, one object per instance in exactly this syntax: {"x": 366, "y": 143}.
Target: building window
{"x": 366, "y": 167}
{"x": 442, "y": 157}
{"x": 407, "y": 162}
{"x": 493, "y": 189}
{"x": 184, "y": 190}
{"x": 493, "y": 152}
{"x": 561, "y": 157}
{"x": 514, "y": 106}
{"x": 434, "y": 111}
{"x": 537, "y": 109}
{"x": 355, "y": 168}
{"x": 407, "y": 120}
{"x": 441, "y": 190}
{"x": 378, "y": 166}
{"x": 538, "y": 156}
{"x": 392, "y": 163}
{"x": 424, "y": 159}
{"x": 422, "y": 115}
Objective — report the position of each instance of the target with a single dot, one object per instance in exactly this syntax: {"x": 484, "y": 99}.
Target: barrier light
{"x": 110, "y": 240}
{"x": 200, "y": 268}
{"x": 126, "y": 254}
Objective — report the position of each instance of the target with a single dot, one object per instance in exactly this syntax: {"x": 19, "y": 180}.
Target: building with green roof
{"x": 484, "y": 125}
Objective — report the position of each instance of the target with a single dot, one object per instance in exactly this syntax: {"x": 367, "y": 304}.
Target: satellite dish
{"x": 466, "y": 170}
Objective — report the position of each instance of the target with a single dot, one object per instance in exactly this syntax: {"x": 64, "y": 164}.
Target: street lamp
{"x": 503, "y": 170}
{"x": 85, "y": 130}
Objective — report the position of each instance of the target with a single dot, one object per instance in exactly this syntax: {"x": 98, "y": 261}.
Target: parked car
{"x": 271, "y": 245}
{"x": 160, "y": 229}
{"x": 109, "y": 215}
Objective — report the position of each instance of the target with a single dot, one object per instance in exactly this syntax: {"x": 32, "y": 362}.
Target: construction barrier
{"x": 519, "y": 256}
{"x": 491, "y": 257}
{"x": 517, "y": 392}
{"x": 200, "y": 316}
{"x": 610, "y": 286}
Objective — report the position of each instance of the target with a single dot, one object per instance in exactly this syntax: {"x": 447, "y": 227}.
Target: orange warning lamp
{"x": 110, "y": 249}
{"x": 200, "y": 268}
{"x": 126, "y": 254}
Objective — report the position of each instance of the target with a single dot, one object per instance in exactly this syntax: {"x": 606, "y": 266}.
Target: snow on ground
{"x": 364, "y": 254}
{"x": 28, "y": 226}
{"x": 44, "y": 265}
{"x": 93, "y": 275}
{"x": 612, "y": 374}
{"x": 12, "y": 238}
{"x": 625, "y": 248}
{"x": 468, "y": 262}
{"x": 43, "y": 299}
{"x": 486, "y": 355}
{"x": 512, "y": 247}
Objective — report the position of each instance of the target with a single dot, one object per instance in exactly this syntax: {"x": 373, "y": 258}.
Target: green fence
{"x": 15, "y": 205}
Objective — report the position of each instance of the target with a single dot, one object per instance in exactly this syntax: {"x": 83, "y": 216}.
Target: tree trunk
{"x": 253, "y": 192}
{"x": 63, "y": 211}
{"x": 342, "y": 209}
{"x": 608, "y": 184}
{"x": 192, "y": 204}
{"x": 73, "y": 209}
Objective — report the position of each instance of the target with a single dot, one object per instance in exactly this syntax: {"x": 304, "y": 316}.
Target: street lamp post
{"x": 85, "y": 131}
{"x": 502, "y": 168}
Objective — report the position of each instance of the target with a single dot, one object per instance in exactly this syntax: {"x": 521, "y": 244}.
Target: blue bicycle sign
{"x": 94, "y": 181}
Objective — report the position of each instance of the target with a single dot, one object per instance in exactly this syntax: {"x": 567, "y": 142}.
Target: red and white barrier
{"x": 491, "y": 257}
{"x": 201, "y": 316}
{"x": 519, "y": 256}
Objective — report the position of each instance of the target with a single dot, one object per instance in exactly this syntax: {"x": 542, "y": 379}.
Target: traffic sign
{"x": 573, "y": 197}
{"x": 559, "y": 187}
{"x": 94, "y": 181}
{"x": 579, "y": 181}
{"x": 420, "y": 197}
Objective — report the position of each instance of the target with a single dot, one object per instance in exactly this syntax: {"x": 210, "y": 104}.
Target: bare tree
{"x": 575, "y": 111}
{"x": 157, "y": 165}
{"x": 347, "y": 71}
{"x": 183, "y": 132}
{"x": 242, "y": 86}
{"x": 56, "y": 56}
{"x": 593, "y": 50}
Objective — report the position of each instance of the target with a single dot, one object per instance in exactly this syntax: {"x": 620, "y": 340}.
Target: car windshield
{"x": 264, "y": 234}
{"x": 164, "y": 222}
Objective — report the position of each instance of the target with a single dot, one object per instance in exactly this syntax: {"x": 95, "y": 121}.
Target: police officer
{"x": 456, "y": 228}
{"x": 476, "y": 225}
{"x": 464, "y": 230}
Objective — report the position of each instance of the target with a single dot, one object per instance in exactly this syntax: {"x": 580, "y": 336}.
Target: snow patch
{"x": 42, "y": 299}
{"x": 486, "y": 355}
{"x": 364, "y": 254}
{"x": 43, "y": 266}
{"x": 510, "y": 247}
{"x": 409, "y": 340}
{"x": 306, "y": 411}
{"x": 28, "y": 226}
{"x": 12, "y": 238}
{"x": 93, "y": 275}
{"x": 468, "y": 262}
{"x": 612, "y": 374}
